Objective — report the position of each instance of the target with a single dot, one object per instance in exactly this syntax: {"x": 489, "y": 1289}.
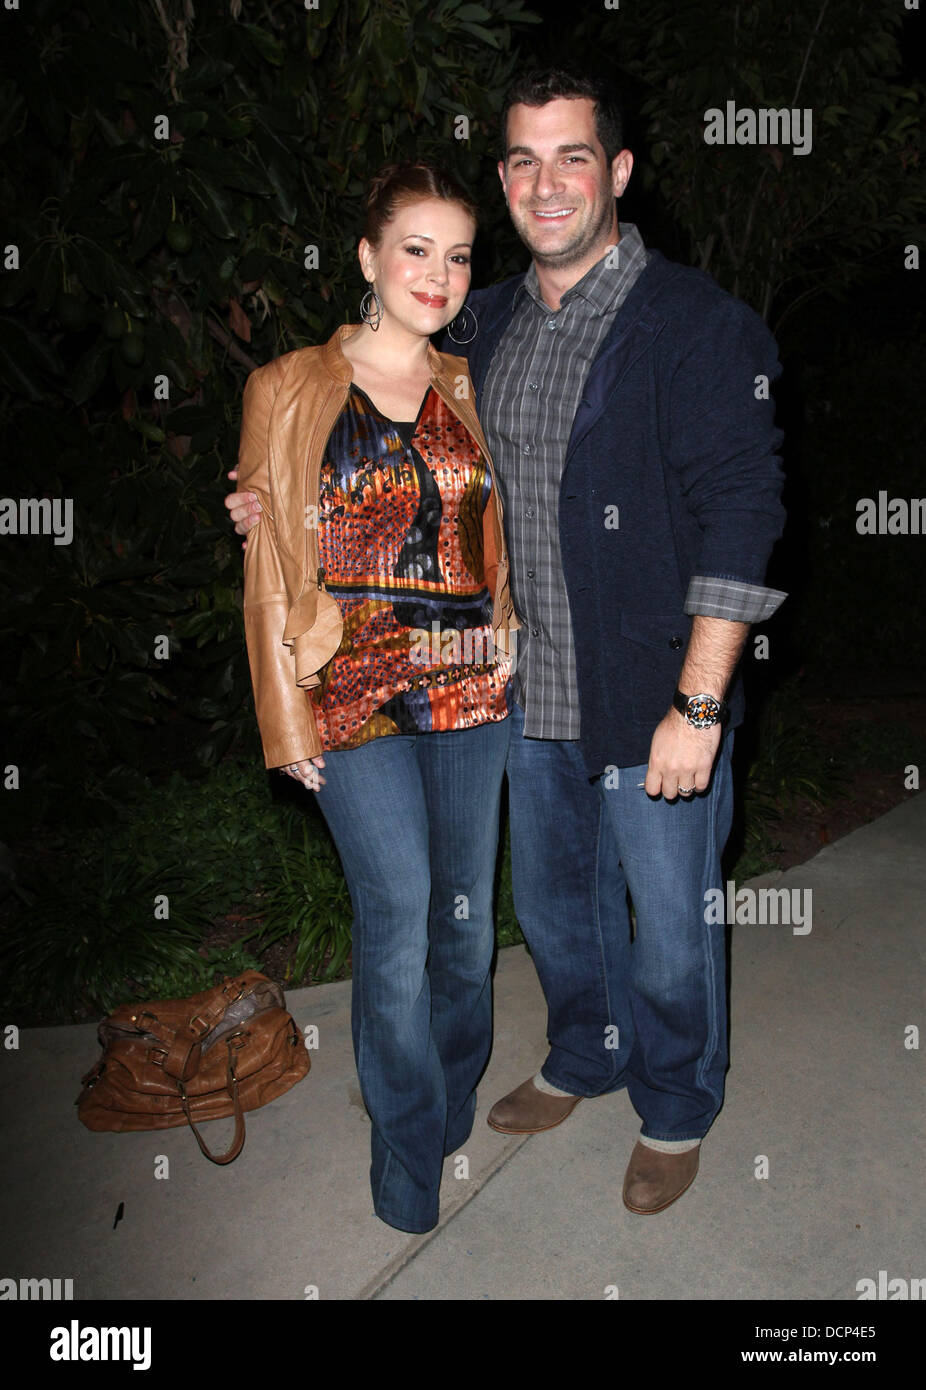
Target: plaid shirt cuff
{"x": 731, "y": 599}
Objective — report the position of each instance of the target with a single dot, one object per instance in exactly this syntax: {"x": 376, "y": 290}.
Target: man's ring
{"x": 685, "y": 791}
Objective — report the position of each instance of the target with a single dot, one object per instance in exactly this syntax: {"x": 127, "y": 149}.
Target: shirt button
{"x": 527, "y": 449}
{"x": 675, "y": 643}
{"x": 535, "y": 631}
{"x": 531, "y": 573}
{"x": 529, "y": 512}
{"x": 551, "y": 323}
{"x": 532, "y": 385}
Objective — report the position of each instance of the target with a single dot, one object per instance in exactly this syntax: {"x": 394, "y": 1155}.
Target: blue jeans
{"x": 648, "y": 1014}
{"x": 415, "y": 822}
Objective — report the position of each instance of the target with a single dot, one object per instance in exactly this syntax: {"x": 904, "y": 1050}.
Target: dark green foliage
{"x": 309, "y": 896}
{"x": 153, "y": 275}
{"x": 778, "y": 229}
{"x": 164, "y": 194}
{"x": 146, "y": 261}
{"x": 507, "y": 931}
{"x": 791, "y": 762}
{"x": 85, "y": 933}
{"x": 220, "y": 848}
{"x": 858, "y": 603}
{"x": 886, "y": 743}
{"x": 84, "y": 945}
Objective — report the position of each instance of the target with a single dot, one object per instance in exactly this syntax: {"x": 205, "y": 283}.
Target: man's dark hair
{"x": 540, "y": 85}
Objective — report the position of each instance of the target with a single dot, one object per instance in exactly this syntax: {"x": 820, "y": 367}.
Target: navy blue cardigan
{"x": 672, "y": 429}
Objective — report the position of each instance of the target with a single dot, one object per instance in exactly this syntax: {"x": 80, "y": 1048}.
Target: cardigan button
{"x": 675, "y": 643}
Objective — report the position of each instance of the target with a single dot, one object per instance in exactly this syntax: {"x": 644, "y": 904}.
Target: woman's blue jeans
{"x": 415, "y": 822}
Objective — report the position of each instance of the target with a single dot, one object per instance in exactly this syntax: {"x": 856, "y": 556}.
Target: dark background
{"x": 183, "y": 258}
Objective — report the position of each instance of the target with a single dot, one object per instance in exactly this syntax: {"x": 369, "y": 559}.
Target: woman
{"x": 378, "y": 614}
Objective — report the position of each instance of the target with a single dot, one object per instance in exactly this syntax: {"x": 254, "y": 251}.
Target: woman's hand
{"x": 306, "y": 772}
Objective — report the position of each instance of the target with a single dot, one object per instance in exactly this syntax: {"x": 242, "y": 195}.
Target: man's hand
{"x": 245, "y": 509}
{"x": 680, "y": 757}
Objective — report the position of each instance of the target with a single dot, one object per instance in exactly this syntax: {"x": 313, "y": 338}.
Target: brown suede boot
{"x": 528, "y": 1111}
{"x": 655, "y": 1180}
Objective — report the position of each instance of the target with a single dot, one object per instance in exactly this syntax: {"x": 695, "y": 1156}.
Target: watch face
{"x": 703, "y": 711}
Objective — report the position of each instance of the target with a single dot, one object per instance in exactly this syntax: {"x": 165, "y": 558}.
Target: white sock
{"x": 670, "y": 1146}
{"x": 548, "y": 1090}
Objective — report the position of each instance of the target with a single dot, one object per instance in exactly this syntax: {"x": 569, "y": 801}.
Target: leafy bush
{"x": 197, "y": 851}
{"x": 83, "y": 949}
{"x": 183, "y": 199}
{"x": 221, "y": 848}
{"x": 311, "y": 898}
{"x": 225, "y": 829}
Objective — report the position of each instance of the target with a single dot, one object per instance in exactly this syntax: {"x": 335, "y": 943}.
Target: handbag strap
{"x": 184, "y": 1041}
{"x": 231, "y": 1085}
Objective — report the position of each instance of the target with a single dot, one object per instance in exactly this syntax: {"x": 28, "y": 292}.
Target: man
{"x": 625, "y": 402}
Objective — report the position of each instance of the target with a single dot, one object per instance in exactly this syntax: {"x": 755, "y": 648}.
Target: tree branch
{"x": 816, "y": 30}
{"x": 231, "y": 347}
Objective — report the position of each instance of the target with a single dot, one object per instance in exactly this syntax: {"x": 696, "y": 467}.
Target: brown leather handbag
{"x": 229, "y": 1049}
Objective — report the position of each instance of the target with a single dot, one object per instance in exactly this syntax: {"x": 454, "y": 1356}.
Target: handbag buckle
{"x": 233, "y": 1043}
{"x": 101, "y": 1067}
{"x": 203, "y": 1027}
{"x": 157, "y": 1055}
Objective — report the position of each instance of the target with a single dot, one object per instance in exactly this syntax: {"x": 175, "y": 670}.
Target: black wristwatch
{"x": 701, "y": 711}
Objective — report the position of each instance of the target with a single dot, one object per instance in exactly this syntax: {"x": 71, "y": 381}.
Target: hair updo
{"x": 397, "y": 185}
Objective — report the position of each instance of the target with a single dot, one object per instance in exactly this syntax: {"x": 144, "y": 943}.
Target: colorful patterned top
{"x": 400, "y": 516}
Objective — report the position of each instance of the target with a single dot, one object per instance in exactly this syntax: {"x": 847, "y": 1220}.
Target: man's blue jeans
{"x": 415, "y": 821}
{"x": 649, "y": 1014}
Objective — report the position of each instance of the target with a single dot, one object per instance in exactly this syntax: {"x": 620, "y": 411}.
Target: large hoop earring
{"x": 457, "y": 323}
{"x": 371, "y": 309}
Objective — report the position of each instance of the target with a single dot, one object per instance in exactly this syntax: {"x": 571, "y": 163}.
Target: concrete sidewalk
{"x": 824, "y": 1085}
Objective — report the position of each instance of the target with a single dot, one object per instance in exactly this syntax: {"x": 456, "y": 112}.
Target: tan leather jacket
{"x": 293, "y": 626}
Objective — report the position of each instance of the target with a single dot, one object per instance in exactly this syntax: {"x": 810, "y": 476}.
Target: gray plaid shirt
{"x": 527, "y": 427}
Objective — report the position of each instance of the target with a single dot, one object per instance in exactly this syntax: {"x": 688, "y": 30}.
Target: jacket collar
{"x": 336, "y": 363}
{"x": 338, "y": 366}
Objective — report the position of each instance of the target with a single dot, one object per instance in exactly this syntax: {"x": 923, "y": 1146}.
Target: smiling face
{"x": 559, "y": 188}
{"x": 421, "y": 267}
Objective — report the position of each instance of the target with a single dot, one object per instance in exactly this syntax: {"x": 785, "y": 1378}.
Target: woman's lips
{"x": 433, "y": 301}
